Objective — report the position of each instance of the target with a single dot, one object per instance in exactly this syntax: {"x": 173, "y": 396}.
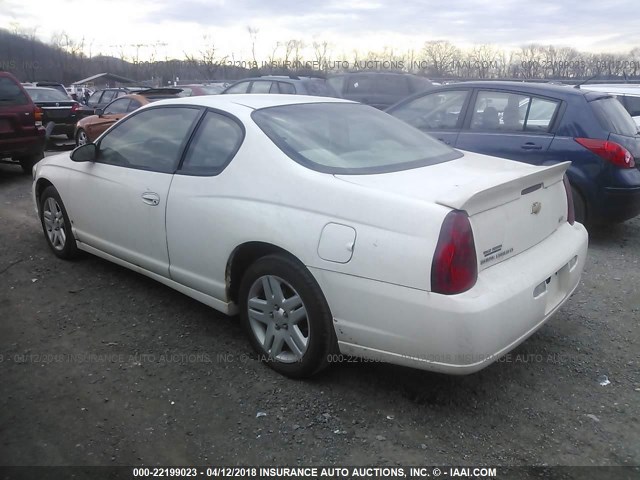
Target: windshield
{"x": 46, "y": 95}
{"x": 349, "y": 138}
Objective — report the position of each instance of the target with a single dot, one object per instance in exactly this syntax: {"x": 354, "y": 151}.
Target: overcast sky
{"x": 590, "y": 25}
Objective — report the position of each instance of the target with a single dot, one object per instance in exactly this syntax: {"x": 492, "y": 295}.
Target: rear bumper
{"x": 620, "y": 204}
{"x": 23, "y": 146}
{"x": 457, "y": 334}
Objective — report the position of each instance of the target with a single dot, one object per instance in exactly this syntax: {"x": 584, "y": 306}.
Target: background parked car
{"x": 628, "y": 95}
{"x": 194, "y": 90}
{"x": 22, "y": 137}
{"x": 101, "y": 98}
{"x": 91, "y": 127}
{"x": 56, "y": 86}
{"x": 378, "y": 89}
{"x": 542, "y": 124}
{"x": 59, "y": 113}
{"x": 292, "y": 84}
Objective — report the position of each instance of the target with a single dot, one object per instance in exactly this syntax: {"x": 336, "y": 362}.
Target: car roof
{"x": 530, "y": 87}
{"x": 279, "y": 78}
{"x": 29, "y": 87}
{"x": 144, "y": 99}
{"x": 250, "y": 100}
{"x": 630, "y": 89}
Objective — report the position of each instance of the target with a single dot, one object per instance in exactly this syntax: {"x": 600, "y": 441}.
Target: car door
{"x": 111, "y": 114}
{"x": 439, "y": 113}
{"x": 509, "y": 124}
{"x": 119, "y": 201}
{"x": 199, "y": 206}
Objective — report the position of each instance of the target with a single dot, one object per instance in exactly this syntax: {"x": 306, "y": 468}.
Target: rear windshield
{"x": 46, "y": 95}
{"x": 11, "y": 94}
{"x": 349, "y": 138}
{"x": 613, "y": 117}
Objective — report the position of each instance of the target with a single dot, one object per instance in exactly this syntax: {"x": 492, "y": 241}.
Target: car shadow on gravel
{"x": 622, "y": 233}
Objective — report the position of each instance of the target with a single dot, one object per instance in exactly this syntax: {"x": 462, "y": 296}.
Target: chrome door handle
{"x": 151, "y": 198}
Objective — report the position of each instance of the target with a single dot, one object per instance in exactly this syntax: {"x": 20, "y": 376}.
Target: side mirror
{"x": 99, "y": 111}
{"x": 84, "y": 153}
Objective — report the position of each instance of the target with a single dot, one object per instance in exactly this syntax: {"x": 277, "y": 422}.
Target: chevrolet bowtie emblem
{"x": 535, "y": 208}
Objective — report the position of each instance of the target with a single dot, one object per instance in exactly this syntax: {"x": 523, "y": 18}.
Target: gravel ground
{"x": 102, "y": 366}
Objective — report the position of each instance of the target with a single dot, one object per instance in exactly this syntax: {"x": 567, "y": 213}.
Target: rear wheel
{"x": 579, "y": 207}
{"x": 286, "y": 316}
{"x": 56, "y": 225}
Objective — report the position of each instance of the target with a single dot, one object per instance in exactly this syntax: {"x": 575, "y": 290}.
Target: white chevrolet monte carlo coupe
{"x": 330, "y": 227}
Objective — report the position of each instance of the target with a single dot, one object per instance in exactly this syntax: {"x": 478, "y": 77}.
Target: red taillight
{"x": 455, "y": 265}
{"x": 571, "y": 213}
{"x": 75, "y": 107}
{"x": 37, "y": 115}
{"x": 610, "y": 151}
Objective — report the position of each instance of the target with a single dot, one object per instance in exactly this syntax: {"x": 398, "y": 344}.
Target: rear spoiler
{"x": 484, "y": 194}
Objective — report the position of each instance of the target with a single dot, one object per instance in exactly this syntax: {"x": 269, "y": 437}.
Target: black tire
{"x": 66, "y": 249}
{"x": 80, "y": 133}
{"x": 318, "y": 322}
{"x": 28, "y": 161}
{"x": 579, "y": 207}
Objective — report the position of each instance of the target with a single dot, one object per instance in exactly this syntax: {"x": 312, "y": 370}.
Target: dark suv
{"x": 542, "y": 124}
{"x": 283, "y": 84}
{"x": 378, "y": 89}
{"x": 22, "y": 137}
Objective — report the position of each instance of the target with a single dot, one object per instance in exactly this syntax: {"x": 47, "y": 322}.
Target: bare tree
{"x": 442, "y": 55}
{"x": 253, "y": 34}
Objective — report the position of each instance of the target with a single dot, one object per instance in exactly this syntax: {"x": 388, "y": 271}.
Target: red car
{"x": 90, "y": 128}
{"x": 22, "y": 136}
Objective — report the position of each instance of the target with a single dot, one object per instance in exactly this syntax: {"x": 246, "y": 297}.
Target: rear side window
{"x": 11, "y": 94}
{"x": 261, "y": 87}
{"x": 318, "y": 88}
{"x": 239, "y": 88}
{"x": 613, "y": 117}
{"x": 540, "y": 115}
{"x": 215, "y": 143}
{"x": 286, "y": 88}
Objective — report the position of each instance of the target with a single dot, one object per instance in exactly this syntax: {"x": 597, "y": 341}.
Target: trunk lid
{"x": 511, "y": 206}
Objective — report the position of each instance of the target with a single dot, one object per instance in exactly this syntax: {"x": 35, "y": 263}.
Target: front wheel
{"x": 56, "y": 225}
{"x": 286, "y": 316}
{"x": 81, "y": 137}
